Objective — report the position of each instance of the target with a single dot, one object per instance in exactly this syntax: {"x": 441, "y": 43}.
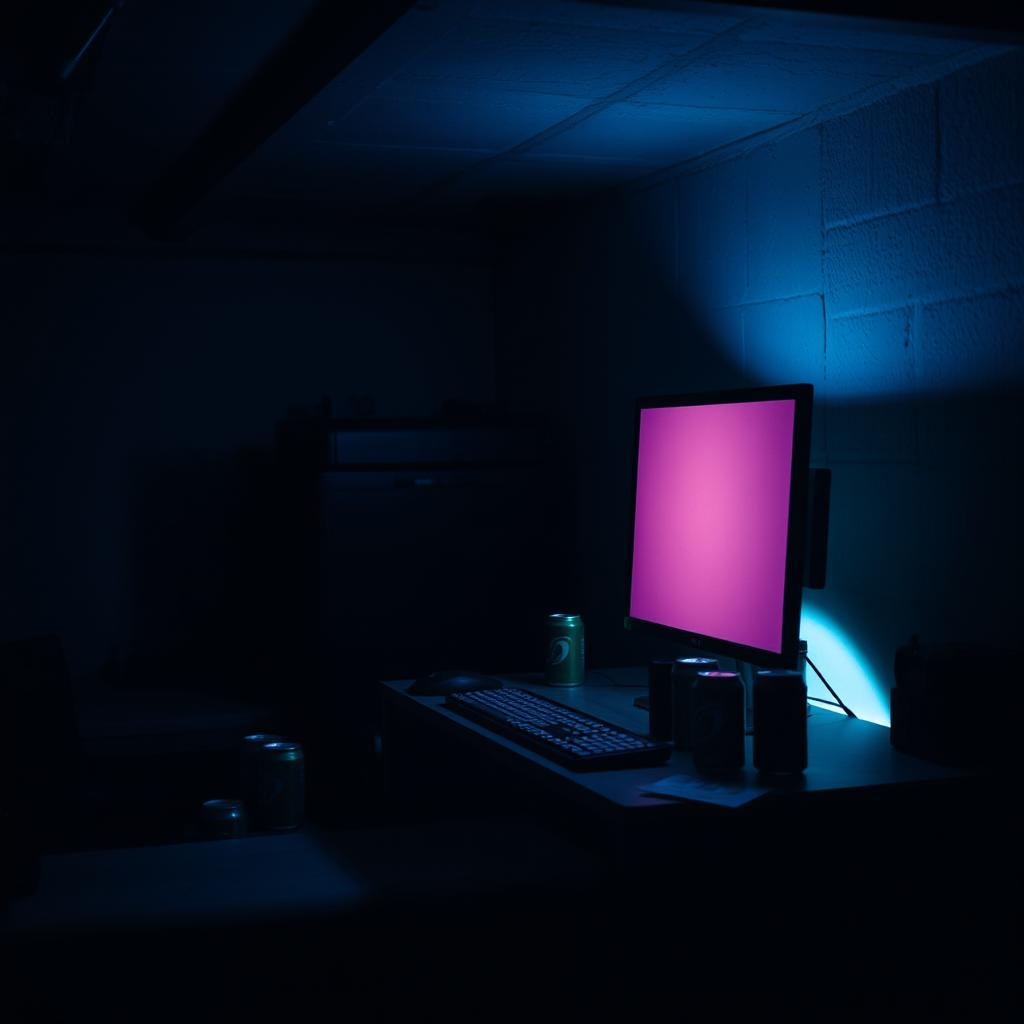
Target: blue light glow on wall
{"x": 855, "y": 260}
{"x": 844, "y": 666}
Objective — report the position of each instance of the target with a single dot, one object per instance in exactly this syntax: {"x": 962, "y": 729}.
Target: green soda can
{"x": 565, "y": 651}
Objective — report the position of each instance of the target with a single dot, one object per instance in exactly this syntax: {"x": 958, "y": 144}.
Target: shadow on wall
{"x": 925, "y": 533}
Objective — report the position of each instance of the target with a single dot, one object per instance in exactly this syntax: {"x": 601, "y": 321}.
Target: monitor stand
{"x": 747, "y": 671}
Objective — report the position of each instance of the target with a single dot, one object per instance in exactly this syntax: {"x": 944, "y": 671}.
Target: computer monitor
{"x": 719, "y": 518}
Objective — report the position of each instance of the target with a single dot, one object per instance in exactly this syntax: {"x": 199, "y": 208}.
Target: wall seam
{"x": 746, "y": 229}
{"x": 676, "y": 206}
{"x": 937, "y": 299}
{"x": 824, "y": 376}
{"x": 767, "y": 302}
{"x": 910, "y": 342}
{"x": 869, "y": 218}
{"x": 823, "y": 237}
{"x": 980, "y": 191}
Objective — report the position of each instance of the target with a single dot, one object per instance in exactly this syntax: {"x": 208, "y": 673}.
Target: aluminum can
{"x": 565, "y": 650}
{"x": 780, "y": 722}
{"x": 223, "y": 819}
{"x": 716, "y": 723}
{"x": 684, "y": 672}
{"x": 280, "y": 786}
{"x": 248, "y": 763}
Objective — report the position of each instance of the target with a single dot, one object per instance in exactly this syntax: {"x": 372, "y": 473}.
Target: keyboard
{"x": 572, "y": 738}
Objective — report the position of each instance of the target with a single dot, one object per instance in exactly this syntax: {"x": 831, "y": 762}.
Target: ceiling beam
{"x": 984, "y": 16}
{"x": 332, "y": 35}
{"x": 982, "y": 20}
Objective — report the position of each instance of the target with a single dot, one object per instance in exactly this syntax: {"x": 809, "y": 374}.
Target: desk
{"x": 875, "y": 866}
{"x": 845, "y": 755}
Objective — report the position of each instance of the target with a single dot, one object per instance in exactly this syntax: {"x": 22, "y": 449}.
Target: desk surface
{"x": 843, "y": 753}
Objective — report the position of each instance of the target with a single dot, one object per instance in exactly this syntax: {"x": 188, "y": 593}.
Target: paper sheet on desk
{"x": 708, "y": 791}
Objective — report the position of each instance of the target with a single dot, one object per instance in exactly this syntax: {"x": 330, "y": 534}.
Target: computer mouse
{"x": 440, "y": 684}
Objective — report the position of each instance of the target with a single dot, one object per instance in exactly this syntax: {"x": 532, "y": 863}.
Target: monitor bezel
{"x": 803, "y": 396}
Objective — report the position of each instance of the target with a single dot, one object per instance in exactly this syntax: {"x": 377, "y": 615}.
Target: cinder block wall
{"x": 879, "y": 256}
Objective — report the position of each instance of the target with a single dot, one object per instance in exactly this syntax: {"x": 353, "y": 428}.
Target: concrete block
{"x": 869, "y": 380}
{"x": 929, "y": 254}
{"x": 643, "y": 238}
{"x": 659, "y": 343}
{"x": 981, "y": 122}
{"x": 972, "y": 344}
{"x": 819, "y": 446}
{"x": 784, "y": 218}
{"x": 724, "y": 332}
{"x": 880, "y": 159}
{"x": 872, "y": 530}
{"x": 973, "y": 430}
{"x": 650, "y": 342}
{"x": 784, "y": 342}
{"x": 713, "y": 235}
{"x": 871, "y": 431}
{"x": 869, "y": 356}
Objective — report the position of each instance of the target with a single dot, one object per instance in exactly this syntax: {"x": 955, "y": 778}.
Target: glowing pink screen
{"x": 712, "y": 519}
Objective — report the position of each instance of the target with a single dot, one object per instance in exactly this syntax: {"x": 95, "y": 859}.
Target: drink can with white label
{"x": 565, "y": 651}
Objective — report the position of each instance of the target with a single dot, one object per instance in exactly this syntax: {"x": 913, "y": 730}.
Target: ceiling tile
{"x": 849, "y": 34}
{"x": 789, "y": 77}
{"x": 461, "y": 120}
{"x": 602, "y": 15}
{"x": 565, "y": 60}
{"x": 658, "y": 134}
{"x": 425, "y": 112}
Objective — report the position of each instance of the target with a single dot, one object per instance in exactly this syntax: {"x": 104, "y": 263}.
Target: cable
{"x": 838, "y": 700}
